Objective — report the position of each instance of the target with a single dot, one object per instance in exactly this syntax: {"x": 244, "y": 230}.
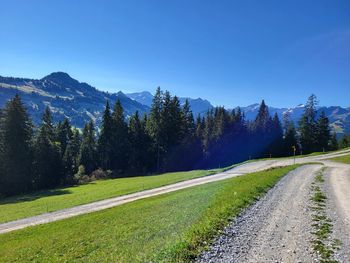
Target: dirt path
{"x": 112, "y": 202}
{"x": 276, "y": 229}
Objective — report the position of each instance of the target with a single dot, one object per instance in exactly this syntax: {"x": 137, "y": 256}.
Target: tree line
{"x": 169, "y": 138}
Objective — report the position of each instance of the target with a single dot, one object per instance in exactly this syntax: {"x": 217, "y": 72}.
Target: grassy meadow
{"x": 342, "y": 159}
{"x": 172, "y": 227}
{"x": 52, "y": 200}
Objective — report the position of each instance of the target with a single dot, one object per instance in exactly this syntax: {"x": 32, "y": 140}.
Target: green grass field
{"x": 52, "y": 200}
{"x": 342, "y": 159}
{"x": 172, "y": 227}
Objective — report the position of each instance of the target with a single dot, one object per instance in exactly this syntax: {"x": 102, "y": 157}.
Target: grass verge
{"x": 52, "y": 200}
{"x": 342, "y": 159}
{"x": 173, "y": 227}
{"x": 322, "y": 224}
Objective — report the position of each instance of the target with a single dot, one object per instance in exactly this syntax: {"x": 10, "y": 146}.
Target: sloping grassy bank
{"x": 52, "y": 200}
{"x": 342, "y": 159}
{"x": 172, "y": 227}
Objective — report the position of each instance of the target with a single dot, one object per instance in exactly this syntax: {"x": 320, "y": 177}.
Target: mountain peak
{"x": 58, "y": 76}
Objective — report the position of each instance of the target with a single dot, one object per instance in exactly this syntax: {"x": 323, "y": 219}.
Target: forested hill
{"x": 66, "y": 98}
{"x": 80, "y": 102}
{"x": 77, "y": 101}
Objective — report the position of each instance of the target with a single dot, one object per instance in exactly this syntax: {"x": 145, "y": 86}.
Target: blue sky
{"x": 229, "y": 52}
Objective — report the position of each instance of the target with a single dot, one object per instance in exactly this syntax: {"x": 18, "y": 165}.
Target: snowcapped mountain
{"x": 143, "y": 97}
{"x": 339, "y": 117}
{"x": 198, "y": 106}
{"x": 65, "y": 96}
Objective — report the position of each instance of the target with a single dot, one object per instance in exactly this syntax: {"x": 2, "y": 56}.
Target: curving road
{"x": 278, "y": 228}
{"x": 112, "y": 202}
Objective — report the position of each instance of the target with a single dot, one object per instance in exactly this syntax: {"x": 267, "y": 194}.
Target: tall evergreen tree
{"x": 323, "y": 132}
{"x": 308, "y": 126}
{"x": 63, "y": 134}
{"x": 15, "y": 149}
{"x": 262, "y": 119}
{"x": 87, "y": 154}
{"x": 106, "y": 140}
{"x": 154, "y": 124}
{"x": 334, "y": 142}
{"x": 48, "y": 166}
{"x": 120, "y": 139}
{"x": 139, "y": 144}
{"x": 188, "y": 126}
{"x": 276, "y": 147}
{"x": 290, "y": 137}
{"x": 70, "y": 157}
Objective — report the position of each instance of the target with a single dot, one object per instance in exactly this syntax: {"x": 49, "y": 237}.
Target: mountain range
{"x": 80, "y": 102}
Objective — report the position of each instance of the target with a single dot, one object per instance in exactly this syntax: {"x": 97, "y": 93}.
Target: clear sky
{"x": 229, "y": 52}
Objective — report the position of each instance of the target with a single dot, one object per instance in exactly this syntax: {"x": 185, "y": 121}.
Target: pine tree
{"x": 188, "y": 126}
{"x": 154, "y": 125}
{"x": 262, "y": 119}
{"x": 334, "y": 142}
{"x": 64, "y": 135}
{"x": 290, "y": 136}
{"x": 70, "y": 157}
{"x": 15, "y": 149}
{"x": 139, "y": 144}
{"x": 87, "y": 153}
{"x": 48, "y": 165}
{"x": 308, "y": 126}
{"x": 106, "y": 140}
{"x": 262, "y": 133}
{"x": 276, "y": 148}
{"x": 323, "y": 132}
{"x": 120, "y": 139}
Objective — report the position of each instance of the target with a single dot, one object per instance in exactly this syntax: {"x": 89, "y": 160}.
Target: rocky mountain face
{"x": 65, "y": 96}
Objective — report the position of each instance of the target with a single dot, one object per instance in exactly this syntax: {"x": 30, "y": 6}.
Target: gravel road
{"x": 277, "y": 228}
{"x": 116, "y": 201}
{"x": 337, "y": 187}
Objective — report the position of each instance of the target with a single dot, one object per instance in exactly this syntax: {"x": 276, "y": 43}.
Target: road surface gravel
{"x": 277, "y": 228}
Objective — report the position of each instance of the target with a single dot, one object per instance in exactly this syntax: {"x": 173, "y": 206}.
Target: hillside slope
{"x": 65, "y": 96}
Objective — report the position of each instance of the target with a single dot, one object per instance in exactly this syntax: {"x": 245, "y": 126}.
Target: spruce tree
{"x": 48, "y": 165}
{"x": 276, "y": 148}
{"x": 139, "y": 144}
{"x": 323, "y": 132}
{"x": 15, "y": 148}
{"x": 334, "y": 142}
{"x": 70, "y": 157}
{"x": 188, "y": 126}
{"x": 64, "y": 134}
{"x": 290, "y": 136}
{"x": 262, "y": 119}
{"x": 87, "y": 153}
{"x": 308, "y": 126}
{"x": 120, "y": 139}
{"x": 106, "y": 140}
{"x": 154, "y": 125}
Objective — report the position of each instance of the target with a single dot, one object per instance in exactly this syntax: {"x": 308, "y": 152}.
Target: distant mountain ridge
{"x": 66, "y": 97}
{"x": 198, "y": 106}
{"x": 339, "y": 117}
{"x": 80, "y": 102}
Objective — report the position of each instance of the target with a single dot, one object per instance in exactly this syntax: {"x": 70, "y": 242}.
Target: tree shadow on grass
{"x": 33, "y": 196}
